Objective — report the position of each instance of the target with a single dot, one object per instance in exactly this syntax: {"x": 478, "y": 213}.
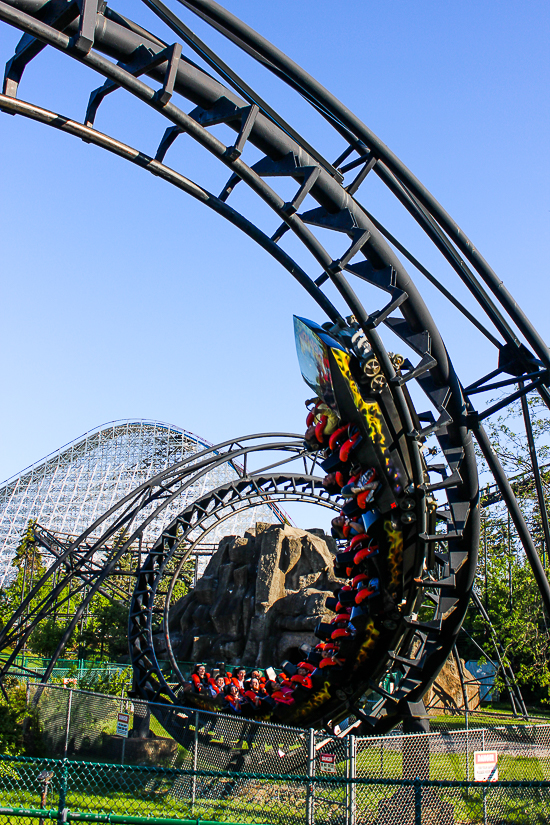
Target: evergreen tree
{"x": 30, "y": 565}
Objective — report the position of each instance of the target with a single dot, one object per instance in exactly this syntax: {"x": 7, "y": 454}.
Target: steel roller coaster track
{"x": 444, "y": 555}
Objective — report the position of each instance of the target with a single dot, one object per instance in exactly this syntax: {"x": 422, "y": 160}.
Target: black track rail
{"x": 95, "y": 38}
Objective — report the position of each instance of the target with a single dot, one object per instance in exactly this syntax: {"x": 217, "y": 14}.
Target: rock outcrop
{"x": 446, "y": 692}
{"x": 258, "y": 600}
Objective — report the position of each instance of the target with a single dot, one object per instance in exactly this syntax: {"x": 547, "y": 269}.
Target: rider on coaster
{"x": 282, "y": 693}
{"x": 363, "y": 485}
{"x": 257, "y": 695}
{"x": 217, "y": 686}
{"x": 233, "y": 700}
{"x": 329, "y": 656}
{"x": 238, "y": 679}
{"x": 302, "y": 677}
{"x": 255, "y": 674}
{"x": 321, "y": 423}
{"x": 200, "y": 679}
{"x": 343, "y": 528}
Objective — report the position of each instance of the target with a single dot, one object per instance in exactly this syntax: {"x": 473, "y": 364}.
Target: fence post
{"x": 123, "y": 738}
{"x": 417, "y": 802}
{"x": 484, "y": 788}
{"x": 310, "y": 792}
{"x": 351, "y": 773}
{"x": 195, "y": 754}
{"x": 69, "y": 706}
{"x": 62, "y": 807}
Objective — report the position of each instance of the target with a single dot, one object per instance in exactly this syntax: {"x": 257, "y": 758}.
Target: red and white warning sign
{"x": 485, "y": 766}
{"x": 327, "y": 762}
{"x": 122, "y": 725}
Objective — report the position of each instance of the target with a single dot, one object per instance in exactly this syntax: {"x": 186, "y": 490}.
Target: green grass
{"x": 253, "y": 802}
{"x": 489, "y": 717}
{"x": 389, "y": 765}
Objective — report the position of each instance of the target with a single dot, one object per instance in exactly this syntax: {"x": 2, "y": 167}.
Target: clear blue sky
{"x": 123, "y": 298}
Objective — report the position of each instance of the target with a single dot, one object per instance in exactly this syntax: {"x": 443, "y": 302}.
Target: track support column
{"x": 195, "y": 760}
{"x": 351, "y": 773}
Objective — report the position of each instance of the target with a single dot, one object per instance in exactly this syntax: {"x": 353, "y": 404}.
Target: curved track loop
{"x": 92, "y": 558}
{"x": 224, "y": 501}
{"x": 434, "y": 595}
{"x": 331, "y": 194}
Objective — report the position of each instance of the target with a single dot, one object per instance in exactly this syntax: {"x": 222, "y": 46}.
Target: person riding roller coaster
{"x": 282, "y": 693}
{"x": 255, "y": 674}
{"x": 333, "y": 482}
{"x": 257, "y": 697}
{"x": 200, "y": 680}
{"x": 344, "y": 527}
{"x": 239, "y": 676}
{"x": 302, "y": 677}
{"x": 217, "y": 687}
{"x": 362, "y": 487}
{"x": 330, "y": 656}
{"x": 233, "y": 700}
{"x": 321, "y": 423}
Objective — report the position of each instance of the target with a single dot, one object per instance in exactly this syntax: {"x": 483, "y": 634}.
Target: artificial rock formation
{"x": 259, "y": 598}
{"x": 446, "y": 692}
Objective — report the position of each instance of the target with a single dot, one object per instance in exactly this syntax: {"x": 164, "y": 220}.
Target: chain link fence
{"x": 82, "y": 725}
{"x": 178, "y": 763}
{"x": 523, "y": 753}
{"x": 68, "y": 791}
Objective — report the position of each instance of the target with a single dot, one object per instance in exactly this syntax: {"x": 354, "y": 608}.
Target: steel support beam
{"x": 351, "y": 126}
{"x": 136, "y": 51}
{"x": 536, "y": 469}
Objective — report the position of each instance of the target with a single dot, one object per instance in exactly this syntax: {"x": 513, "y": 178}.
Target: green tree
{"x": 45, "y": 638}
{"x": 30, "y": 564}
{"x": 511, "y": 597}
{"x": 102, "y": 680}
{"x": 103, "y": 630}
{"x": 20, "y": 731}
{"x": 507, "y": 433}
{"x": 106, "y": 633}
{"x": 504, "y": 580}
